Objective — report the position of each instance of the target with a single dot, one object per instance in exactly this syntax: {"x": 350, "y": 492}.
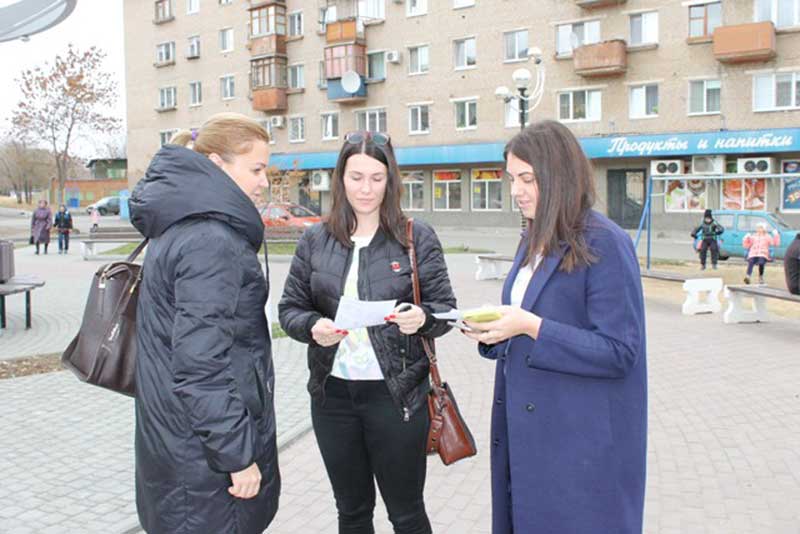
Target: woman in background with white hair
{"x": 758, "y": 245}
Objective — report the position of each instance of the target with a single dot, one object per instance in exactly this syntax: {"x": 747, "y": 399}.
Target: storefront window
{"x": 686, "y": 195}
{"x": 487, "y": 190}
{"x": 790, "y": 187}
{"x": 744, "y": 194}
{"x": 413, "y": 193}
{"x": 447, "y": 190}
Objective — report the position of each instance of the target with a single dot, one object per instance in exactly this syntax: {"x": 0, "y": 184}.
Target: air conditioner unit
{"x": 320, "y": 181}
{"x": 277, "y": 121}
{"x": 661, "y": 167}
{"x": 393, "y": 56}
{"x": 755, "y": 165}
{"x": 708, "y": 164}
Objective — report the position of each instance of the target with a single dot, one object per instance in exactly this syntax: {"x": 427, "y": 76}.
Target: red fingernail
{"x": 391, "y": 317}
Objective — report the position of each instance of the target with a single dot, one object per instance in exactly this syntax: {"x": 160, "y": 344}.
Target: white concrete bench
{"x": 702, "y": 294}
{"x": 88, "y": 251}
{"x": 493, "y": 266}
{"x": 748, "y": 304}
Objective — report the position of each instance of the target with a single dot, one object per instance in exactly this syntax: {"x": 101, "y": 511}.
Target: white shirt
{"x": 522, "y": 281}
{"x": 355, "y": 357}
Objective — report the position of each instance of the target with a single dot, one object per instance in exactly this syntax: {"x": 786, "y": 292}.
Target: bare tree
{"x": 64, "y": 99}
{"x": 24, "y": 168}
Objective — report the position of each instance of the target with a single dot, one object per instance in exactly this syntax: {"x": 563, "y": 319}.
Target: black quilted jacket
{"x": 316, "y": 282}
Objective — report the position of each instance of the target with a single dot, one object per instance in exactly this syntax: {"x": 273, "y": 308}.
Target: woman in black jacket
{"x": 63, "y": 223}
{"x": 368, "y": 386}
{"x": 206, "y": 456}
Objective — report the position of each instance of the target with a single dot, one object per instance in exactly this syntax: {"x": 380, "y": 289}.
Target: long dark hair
{"x": 566, "y": 191}
{"x": 341, "y": 222}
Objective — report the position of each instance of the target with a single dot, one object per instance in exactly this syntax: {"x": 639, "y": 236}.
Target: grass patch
{"x": 465, "y": 249}
{"x": 122, "y": 250}
{"x": 279, "y": 249}
{"x": 663, "y": 262}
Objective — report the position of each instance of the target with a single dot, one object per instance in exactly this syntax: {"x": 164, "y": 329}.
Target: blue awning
{"x": 621, "y": 146}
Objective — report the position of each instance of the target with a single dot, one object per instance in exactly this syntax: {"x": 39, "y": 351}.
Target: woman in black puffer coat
{"x": 368, "y": 386}
{"x": 206, "y": 455}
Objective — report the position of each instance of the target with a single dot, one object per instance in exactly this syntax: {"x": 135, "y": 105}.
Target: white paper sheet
{"x": 354, "y": 313}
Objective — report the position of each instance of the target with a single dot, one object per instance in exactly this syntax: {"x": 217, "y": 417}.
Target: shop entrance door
{"x": 626, "y": 196}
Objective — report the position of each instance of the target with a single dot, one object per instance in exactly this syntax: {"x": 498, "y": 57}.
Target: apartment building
{"x": 702, "y": 96}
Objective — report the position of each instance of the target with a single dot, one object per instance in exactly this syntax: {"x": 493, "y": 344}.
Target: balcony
{"x": 744, "y": 43}
{"x": 343, "y": 31}
{"x": 336, "y": 92}
{"x": 592, "y": 4}
{"x": 609, "y": 58}
{"x": 267, "y": 45}
{"x": 344, "y": 57}
{"x": 269, "y": 99}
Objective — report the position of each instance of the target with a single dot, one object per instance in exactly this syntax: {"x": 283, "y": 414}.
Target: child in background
{"x": 95, "y": 217}
{"x": 758, "y": 245}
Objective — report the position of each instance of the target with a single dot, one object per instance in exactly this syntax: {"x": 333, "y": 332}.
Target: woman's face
{"x": 42, "y": 204}
{"x": 248, "y": 170}
{"x": 524, "y": 188}
{"x": 365, "y": 180}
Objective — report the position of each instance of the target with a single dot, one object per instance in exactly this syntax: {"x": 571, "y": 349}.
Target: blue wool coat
{"x": 569, "y": 421}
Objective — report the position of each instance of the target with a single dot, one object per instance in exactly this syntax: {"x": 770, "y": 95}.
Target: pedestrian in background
{"x": 758, "y": 252}
{"x": 791, "y": 266}
{"x": 569, "y": 421}
{"x": 63, "y": 224}
{"x": 708, "y": 232}
{"x": 94, "y": 216}
{"x": 41, "y": 222}
{"x": 206, "y": 452}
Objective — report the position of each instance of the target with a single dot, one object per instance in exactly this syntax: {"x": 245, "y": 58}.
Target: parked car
{"x": 105, "y": 206}
{"x": 288, "y": 215}
{"x": 738, "y": 223}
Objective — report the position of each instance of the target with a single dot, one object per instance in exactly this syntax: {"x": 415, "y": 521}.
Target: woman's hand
{"x": 408, "y": 317}
{"x": 326, "y": 334}
{"x": 246, "y": 483}
{"x": 515, "y": 322}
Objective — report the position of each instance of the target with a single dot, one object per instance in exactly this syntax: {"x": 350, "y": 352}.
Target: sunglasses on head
{"x": 376, "y": 138}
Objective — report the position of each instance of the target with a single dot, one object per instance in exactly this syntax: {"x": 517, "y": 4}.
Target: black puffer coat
{"x": 316, "y": 282}
{"x": 204, "y": 374}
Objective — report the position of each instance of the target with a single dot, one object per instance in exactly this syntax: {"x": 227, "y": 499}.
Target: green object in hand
{"x": 482, "y": 315}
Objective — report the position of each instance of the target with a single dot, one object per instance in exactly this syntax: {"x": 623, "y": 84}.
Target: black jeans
{"x": 63, "y": 241}
{"x": 714, "y": 246}
{"x": 363, "y": 439}
{"x": 752, "y": 262}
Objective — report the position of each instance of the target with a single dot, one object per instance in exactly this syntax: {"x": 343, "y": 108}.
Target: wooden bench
{"x": 112, "y": 235}
{"x": 702, "y": 294}
{"x": 16, "y": 285}
{"x": 493, "y": 266}
{"x": 741, "y": 311}
{"x": 282, "y": 234}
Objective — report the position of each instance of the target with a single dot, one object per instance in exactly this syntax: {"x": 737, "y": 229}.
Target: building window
{"x": 465, "y": 53}
{"x": 569, "y": 36}
{"x": 416, "y": 7}
{"x": 512, "y": 113}
{"x": 744, "y": 194}
{"x": 341, "y": 58}
{"x": 327, "y": 15}
{"x": 581, "y": 105}
{"x": 704, "y": 19}
{"x": 330, "y": 126}
{"x": 466, "y": 114}
{"x": 268, "y": 72}
{"x": 644, "y": 28}
{"x": 195, "y": 93}
{"x": 704, "y": 96}
{"x": 516, "y": 45}
{"x": 193, "y": 50}
{"x": 192, "y": 6}
{"x": 487, "y": 190}
{"x": 447, "y": 190}
{"x": 165, "y": 53}
{"x": 225, "y": 2}
{"x": 297, "y": 129}
{"x": 413, "y": 191}
{"x": 322, "y": 81}
{"x": 376, "y": 66}
{"x": 418, "y": 59}
{"x": 419, "y": 119}
{"x": 296, "y": 77}
{"x": 776, "y": 91}
{"x": 163, "y": 10}
{"x": 165, "y": 136}
{"x": 457, "y": 4}
{"x": 643, "y": 101}
{"x": 372, "y": 9}
{"x": 296, "y": 24}
{"x": 783, "y": 13}
{"x": 226, "y": 40}
{"x": 267, "y": 125}
{"x": 227, "y": 87}
{"x": 372, "y": 120}
{"x": 686, "y": 195}
{"x": 268, "y": 20}
{"x": 167, "y": 97}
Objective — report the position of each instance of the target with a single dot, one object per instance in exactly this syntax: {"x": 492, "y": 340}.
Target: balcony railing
{"x": 269, "y": 98}
{"x": 609, "y": 58}
{"x": 342, "y": 31}
{"x": 743, "y": 43}
{"x": 267, "y": 45}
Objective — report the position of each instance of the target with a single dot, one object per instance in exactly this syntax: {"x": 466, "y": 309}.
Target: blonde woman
{"x": 206, "y": 456}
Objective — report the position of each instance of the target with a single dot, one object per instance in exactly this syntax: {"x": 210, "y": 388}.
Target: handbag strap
{"x": 412, "y": 256}
{"x": 138, "y": 250}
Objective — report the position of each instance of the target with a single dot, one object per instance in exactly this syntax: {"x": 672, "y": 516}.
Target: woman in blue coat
{"x": 569, "y": 421}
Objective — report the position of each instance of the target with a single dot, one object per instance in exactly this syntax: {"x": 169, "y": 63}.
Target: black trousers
{"x": 63, "y": 241}
{"x": 363, "y": 439}
{"x": 714, "y": 246}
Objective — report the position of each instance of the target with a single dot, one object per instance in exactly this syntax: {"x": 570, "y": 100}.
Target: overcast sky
{"x": 93, "y": 23}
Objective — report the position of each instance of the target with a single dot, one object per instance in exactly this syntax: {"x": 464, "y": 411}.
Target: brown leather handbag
{"x": 104, "y": 351}
{"x": 449, "y": 435}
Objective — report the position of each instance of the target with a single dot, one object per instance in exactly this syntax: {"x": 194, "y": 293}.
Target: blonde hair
{"x": 224, "y": 134}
